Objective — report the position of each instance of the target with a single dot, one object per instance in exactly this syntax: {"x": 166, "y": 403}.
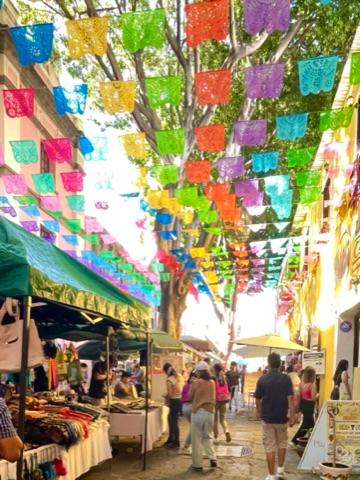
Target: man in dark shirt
{"x": 274, "y": 399}
{"x": 232, "y": 377}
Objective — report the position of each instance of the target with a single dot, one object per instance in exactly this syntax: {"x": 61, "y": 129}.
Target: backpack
{"x": 222, "y": 392}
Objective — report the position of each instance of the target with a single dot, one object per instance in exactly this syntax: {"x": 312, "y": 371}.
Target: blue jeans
{"x": 202, "y": 423}
{"x": 175, "y": 407}
{"x": 186, "y": 411}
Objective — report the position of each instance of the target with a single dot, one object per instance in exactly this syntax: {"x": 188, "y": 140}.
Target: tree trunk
{"x": 173, "y": 303}
{"x": 232, "y": 315}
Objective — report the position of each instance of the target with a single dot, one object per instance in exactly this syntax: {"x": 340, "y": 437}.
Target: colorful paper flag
{"x": 317, "y": 74}
{"x": 24, "y": 151}
{"x": 58, "y": 150}
{"x": 70, "y": 101}
{"x": 143, "y": 29}
{"x": 170, "y": 142}
{"x": 94, "y": 148}
{"x": 206, "y": 21}
{"x": 198, "y": 171}
{"x": 291, "y": 127}
{"x": 264, "y": 80}
{"x": 250, "y": 132}
{"x": 87, "y": 35}
{"x": 19, "y": 102}
{"x": 210, "y": 138}
{"x": 73, "y": 181}
{"x": 134, "y": 145}
{"x": 161, "y": 91}
{"x": 33, "y": 43}
{"x": 268, "y": 16}
{"x": 118, "y": 96}
{"x": 213, "y": 87}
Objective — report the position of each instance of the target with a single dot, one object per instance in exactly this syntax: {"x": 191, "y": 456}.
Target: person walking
{"x": 341, "y": 381}
{"x": 242, "y": 376}
{"x": 186, "y": 409}
{"x": 222, "y": 395}
{"x": 233, "y": 376}
{"x": 307, "y": 398}
{"x": 274, "y": 399}
{"x": 202, "y": 397}
{"x": 174, "y": 386}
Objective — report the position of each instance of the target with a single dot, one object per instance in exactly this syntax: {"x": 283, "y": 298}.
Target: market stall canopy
{"x": 272, "y": 342}
{"x": 199, "y": 344}
{"x": 258, "y": 352}
{"x": 30, "y": 266}
{"x": 160, "y": 341}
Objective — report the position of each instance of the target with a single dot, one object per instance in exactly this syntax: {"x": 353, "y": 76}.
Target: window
{"x": 45, "y": 165}
{"x": 44, "y": 161}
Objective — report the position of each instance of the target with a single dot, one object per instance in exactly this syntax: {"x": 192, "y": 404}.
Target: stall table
{"x": 78, "y": 459}
{"x": 133, "y": 425}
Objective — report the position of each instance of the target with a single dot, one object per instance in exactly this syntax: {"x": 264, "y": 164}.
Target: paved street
{"x": 163, "y": 464}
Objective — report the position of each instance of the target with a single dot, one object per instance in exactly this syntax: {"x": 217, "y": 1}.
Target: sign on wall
{"x": 316, "y": 360}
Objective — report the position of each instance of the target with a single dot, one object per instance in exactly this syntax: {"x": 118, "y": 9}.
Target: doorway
{"x": 356, "y": 340}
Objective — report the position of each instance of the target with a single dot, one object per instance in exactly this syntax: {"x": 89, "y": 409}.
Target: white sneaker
{"x": 270, "y": 477}
{"x": 186, "y": 451}
{"x": 281, "y": 475}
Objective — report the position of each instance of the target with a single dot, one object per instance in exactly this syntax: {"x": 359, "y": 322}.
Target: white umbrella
{"x": 272, "y": 342}
{"x": 258, "y": 352}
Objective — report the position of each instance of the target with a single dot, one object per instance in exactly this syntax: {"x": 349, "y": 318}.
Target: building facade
{"x": 44, "y": 124}
{"x": 324, "y": 299}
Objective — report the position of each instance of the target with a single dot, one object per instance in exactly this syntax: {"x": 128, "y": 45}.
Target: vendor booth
{"x": 128, "y": 417}
{"x": 57, "y": 295}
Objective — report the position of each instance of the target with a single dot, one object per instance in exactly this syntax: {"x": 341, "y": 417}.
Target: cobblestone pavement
{"x": 163, "y": 464}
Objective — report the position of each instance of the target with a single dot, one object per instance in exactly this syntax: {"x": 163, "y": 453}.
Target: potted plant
{"x": 333, "y": 470}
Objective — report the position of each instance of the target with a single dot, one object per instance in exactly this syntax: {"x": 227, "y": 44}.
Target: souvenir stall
{"x": 140, "y": 417}
{"x": 45, "y": 287}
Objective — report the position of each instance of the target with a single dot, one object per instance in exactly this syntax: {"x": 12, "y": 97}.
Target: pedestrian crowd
{"x": 203, "y": 399}
{"x": 283, "y": 396}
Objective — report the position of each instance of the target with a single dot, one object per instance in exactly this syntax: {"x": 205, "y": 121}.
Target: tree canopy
{"x": 228, "y": 262}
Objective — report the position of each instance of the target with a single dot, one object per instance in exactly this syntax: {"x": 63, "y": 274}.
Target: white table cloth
{"x": 78, "y": 459}
{"x": 133, "y": 425}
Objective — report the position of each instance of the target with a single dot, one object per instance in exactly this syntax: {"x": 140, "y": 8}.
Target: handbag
{"x": 11, "y": 342}
{"x": 222, "y": 392}
{"x": 62, "y": 366}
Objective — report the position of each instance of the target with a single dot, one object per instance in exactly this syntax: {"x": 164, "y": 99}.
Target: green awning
{"x": 160, "y": 341}
{"x": 32, "y": 266}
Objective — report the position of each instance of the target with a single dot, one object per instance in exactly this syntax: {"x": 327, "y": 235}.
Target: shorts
{"x": 275, "y": 436}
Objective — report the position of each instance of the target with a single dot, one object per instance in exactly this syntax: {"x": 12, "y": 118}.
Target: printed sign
{"x": 343, "y": 419}
{"x": 343, "y": 432}
{"x": 316, "y": 360}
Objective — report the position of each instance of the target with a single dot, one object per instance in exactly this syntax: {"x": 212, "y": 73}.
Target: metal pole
{"x": 108, "y": 370}
{"x": 26, "y": 314}
{"x": 148, "y": 362}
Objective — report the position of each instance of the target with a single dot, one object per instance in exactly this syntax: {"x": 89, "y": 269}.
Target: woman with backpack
{"x": 222, "y": 399}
